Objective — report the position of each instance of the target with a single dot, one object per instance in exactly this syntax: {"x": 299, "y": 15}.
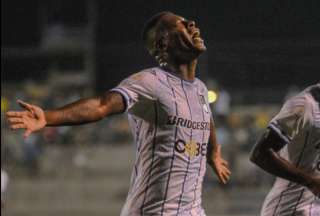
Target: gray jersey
{"x": 298, "y": 123}
{"x": 170, "y": 121}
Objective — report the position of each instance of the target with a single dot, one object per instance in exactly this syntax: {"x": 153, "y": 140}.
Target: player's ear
{"x": 161, "y": 42}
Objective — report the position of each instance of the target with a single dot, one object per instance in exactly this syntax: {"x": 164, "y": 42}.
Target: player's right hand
{"x": 31, "y": 119}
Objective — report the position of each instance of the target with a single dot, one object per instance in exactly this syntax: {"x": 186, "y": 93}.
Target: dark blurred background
{"x": 56, "y": 51}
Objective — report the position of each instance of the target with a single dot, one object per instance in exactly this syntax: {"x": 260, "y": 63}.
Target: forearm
{"x": 85, "y": 110}
{"x": 265, "y": 156}
{"x": 212, "y": 145}
{"x": 278, "y": 166}
{"x": 79, "y": 112}
{"x": 214, "y": 159}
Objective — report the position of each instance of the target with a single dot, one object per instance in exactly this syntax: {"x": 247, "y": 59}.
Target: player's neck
{"x": 185, "y": 71}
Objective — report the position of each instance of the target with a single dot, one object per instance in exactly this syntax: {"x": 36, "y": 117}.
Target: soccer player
{"x": 290, "y": 150}
{"x": 170, "y": 118}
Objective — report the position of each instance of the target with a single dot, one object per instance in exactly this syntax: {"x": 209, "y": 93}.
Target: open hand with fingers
{"x": 31, "y": 119}
{"x": 220, "y": 166}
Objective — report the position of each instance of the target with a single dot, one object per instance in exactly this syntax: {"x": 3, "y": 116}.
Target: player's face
{"x": 185, "y": 41}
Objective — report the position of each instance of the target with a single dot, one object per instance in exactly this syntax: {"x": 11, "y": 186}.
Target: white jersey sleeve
{"x": 291, "y": 119}
{"x": 137, "y": 89}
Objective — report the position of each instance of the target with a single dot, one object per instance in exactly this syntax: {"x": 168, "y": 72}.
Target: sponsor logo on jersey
{"x": 191, "y": 148}
{"x": 187, "y": 123}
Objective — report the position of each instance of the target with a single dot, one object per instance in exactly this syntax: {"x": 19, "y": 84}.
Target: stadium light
{"x": 212, "y": 96}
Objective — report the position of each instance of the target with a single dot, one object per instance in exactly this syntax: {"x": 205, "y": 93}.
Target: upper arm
{"x": 110, "y": 103}
{"x": 268, "y": 143}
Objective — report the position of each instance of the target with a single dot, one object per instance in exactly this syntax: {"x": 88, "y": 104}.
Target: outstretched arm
{"x": 80, "y": 112}
{"x": 264, "y": 154}
{"x": 214, "y": 158}
{"x": 86, "y": 110}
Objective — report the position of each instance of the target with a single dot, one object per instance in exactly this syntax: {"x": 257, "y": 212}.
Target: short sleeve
{"x": 291, "y": 119}
{"x": 137, "y": 89}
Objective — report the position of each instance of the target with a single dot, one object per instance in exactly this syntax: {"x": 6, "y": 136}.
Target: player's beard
{"x": 184, "y": 50}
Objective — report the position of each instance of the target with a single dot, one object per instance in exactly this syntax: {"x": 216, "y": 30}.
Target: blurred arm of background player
{"x": 264, "y": 154}
{"x": 214, "y": 158}
{"x": 87, "y": 110}
{"x": 4, "y": 185}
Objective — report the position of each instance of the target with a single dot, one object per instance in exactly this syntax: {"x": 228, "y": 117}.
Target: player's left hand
{"x": 220, "y": 166}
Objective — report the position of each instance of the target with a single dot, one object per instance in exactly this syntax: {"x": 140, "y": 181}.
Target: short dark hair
{"x": 147, "y": 37}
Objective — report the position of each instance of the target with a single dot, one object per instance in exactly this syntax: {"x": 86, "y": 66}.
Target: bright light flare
{"x": 4, "y": 104}
{"x": 212, "y": 96}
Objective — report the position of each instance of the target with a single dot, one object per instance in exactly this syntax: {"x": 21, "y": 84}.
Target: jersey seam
{"x": 180, "y": 199}
{"x": 152, "y": 160}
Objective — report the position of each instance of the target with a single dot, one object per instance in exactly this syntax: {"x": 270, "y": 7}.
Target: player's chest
{"x": 305, "y": 147}
{"x": 184, "y": 103}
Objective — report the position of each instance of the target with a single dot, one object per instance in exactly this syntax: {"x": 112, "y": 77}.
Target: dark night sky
{"x": 223, "y": 20}
{"x": 223, "y": 23}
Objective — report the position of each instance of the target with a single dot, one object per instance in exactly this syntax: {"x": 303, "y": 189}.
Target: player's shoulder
{"x": 201, "y": 84}
{"x": 144, "y": 74}
{"x": 298, "y": 104}
{"x": 304, "y": 98}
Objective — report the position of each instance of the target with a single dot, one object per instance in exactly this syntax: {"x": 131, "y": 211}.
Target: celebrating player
{"x": 290, "y": 150}
{"x": 170, "y": 117}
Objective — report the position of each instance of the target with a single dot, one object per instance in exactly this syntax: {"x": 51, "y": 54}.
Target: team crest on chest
{"x": 191, "y": 148}
{"x": 202, "y": 101}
